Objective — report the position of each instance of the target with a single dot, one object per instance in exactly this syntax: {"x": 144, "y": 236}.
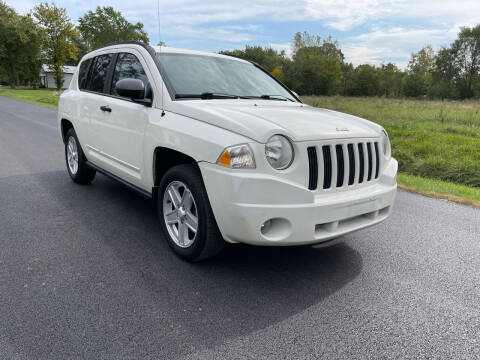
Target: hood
{"x": 259, "y": 120}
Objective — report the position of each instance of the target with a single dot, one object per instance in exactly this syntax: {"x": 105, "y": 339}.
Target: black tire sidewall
{"x": 190, "y": 177}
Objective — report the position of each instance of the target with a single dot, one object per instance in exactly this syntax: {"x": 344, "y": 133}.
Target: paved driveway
{"x": 85, "y": 273}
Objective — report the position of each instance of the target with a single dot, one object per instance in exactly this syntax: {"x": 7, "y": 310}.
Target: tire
{"x": 207, "y": 241}
{"x": 80, "y": 173}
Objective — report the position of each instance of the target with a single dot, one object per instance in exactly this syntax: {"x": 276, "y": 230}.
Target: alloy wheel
{"x": 180, "y": 214}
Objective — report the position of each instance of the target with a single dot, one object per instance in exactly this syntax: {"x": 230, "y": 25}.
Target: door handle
{"x": 105, "y": 108}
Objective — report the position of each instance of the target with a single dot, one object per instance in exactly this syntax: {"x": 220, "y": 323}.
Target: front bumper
{"x": 244, "y": 201}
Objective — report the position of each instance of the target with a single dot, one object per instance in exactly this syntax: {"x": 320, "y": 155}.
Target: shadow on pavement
{"x": 111, "y": 236}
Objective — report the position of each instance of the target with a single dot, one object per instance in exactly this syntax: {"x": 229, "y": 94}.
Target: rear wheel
{"x": 77, "y": 167}
{"x": 185, "y": 214}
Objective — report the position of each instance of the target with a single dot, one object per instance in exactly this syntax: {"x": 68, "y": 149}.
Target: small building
{"x": 47, "y": 79}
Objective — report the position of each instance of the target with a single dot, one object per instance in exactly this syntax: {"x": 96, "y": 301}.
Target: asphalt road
{"x": 85, "y": 273}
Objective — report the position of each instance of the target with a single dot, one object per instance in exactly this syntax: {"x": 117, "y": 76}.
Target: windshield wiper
{"x": 276, "y": 97}
{"x": 206, "y": 96}
{"x": 269, "y": 97}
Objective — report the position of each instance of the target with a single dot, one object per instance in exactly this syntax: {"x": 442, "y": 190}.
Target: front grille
{"x": 343, "y": 164}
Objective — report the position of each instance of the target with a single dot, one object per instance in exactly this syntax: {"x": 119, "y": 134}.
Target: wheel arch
{"x": 65, "y": 125}
{"x": 165, "y": 158}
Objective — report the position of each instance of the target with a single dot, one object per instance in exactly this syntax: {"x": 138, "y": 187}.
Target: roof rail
{"x": 128, "y": 42}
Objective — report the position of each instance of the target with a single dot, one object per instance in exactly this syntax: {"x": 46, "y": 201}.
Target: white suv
{"x": 225, "y": 150}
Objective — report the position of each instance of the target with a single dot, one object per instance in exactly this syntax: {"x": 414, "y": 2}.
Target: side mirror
{"x": 294, "y": 93}
{"x": 133, "y": 89}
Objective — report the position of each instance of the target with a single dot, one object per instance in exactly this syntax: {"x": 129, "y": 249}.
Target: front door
{"x": 121, "y": 125}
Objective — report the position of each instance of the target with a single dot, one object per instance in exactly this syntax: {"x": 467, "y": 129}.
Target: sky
{"x": 369, "y": 31}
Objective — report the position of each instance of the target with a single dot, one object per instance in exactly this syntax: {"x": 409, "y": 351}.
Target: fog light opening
{"x": 266, "y": 226}
{"x": 276, "y": 229}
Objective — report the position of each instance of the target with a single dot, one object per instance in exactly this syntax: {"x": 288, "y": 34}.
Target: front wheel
{"x": 185, "y": 214}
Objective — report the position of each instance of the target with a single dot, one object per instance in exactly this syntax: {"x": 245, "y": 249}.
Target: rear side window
{"x": 98, "y": 75}
{"x": 82, "y": 73}
{"x": 127, "y": 67}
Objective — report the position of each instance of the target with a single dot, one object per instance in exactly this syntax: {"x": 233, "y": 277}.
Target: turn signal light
{"x": 237, "y": 157}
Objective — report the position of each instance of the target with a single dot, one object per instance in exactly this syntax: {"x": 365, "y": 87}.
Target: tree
{"x": 422, "y": 62}
{"x": 414, "y": 85}
{"x": 19, "y": 47}
{"x": 467, "y": 59}
{"x": 347, "y": 78}
{"x": 445, "y": 75}
{"x": 365, "y": 81}
{"x": 59, "y": 32}
{"x": 265, "y": 56}
{"x": 329, "y": 48}
{"x": 106, "y": 25}
{"x": 390, "y": 80}
{"x": 420, "y": 69}
{"x": 278, "y": 73}
{"x": 317, "y": 65}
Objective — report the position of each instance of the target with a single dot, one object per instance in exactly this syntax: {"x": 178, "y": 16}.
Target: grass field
{"x": 44, "y": 97}
{"x": 436, "y": 143}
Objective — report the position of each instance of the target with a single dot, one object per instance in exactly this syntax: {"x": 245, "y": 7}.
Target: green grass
{"x": 436, "y": 188}
{"x": 43, "y": 97}
{"x": 432, "y": 139}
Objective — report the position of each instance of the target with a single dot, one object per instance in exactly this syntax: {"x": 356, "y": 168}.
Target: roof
{"x": 170, "y": 50}
{"x": 66, "y": 69}
{"x": 156, "y": 49}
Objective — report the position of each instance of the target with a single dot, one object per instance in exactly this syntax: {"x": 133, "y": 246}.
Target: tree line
{"x": 318, "y": 67}
{"x": 46, "y": 35}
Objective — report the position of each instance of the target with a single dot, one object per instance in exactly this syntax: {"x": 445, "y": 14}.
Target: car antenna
{"x": 160, "y": 45}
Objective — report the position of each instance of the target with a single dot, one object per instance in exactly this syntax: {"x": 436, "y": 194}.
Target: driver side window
{"x": 127, "y": 67}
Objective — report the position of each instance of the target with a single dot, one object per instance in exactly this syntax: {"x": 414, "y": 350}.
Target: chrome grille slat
{"x": 346, "y": 161}
{"x": 333, "y": 153}
{"x": 370, "y": 161}
{"x": 362, "y": 163}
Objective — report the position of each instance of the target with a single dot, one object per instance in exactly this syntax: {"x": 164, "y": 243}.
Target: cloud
{"x": 346, "y": 14}
{"x": 393, "y": 44}
{"x": 287, "y": 47}
{"x": 369, "y": 30}
{"x": 220, "y": 33}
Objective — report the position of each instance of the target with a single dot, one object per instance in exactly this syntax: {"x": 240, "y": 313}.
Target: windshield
{"x": 199, "y": 75}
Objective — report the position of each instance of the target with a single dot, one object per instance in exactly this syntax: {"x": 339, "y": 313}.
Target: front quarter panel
{"x": 199, "y": 140}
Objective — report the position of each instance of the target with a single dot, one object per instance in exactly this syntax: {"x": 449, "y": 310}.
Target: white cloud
{"x": 287, "y": 47}
{"x": 346, "y": 14}
{"x": 387, "y": 29}
{"x": 393, "y": 44}
{"x": 213, "y": 33}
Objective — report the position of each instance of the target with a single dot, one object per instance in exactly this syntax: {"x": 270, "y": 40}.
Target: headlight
{"x": 279, "y": 152}
{"x": 237, "y": 157}
{"x": 387, "y": 150}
